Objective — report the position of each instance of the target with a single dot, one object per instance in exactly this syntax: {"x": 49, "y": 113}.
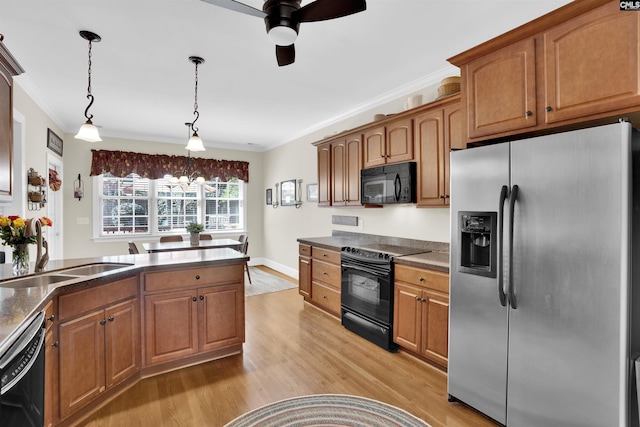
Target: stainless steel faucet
{"x": 41, "y": 259}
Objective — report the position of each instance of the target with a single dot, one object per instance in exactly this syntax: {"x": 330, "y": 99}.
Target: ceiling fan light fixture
{"x": 88, "y": 132}
{"x": 283, "y": 35}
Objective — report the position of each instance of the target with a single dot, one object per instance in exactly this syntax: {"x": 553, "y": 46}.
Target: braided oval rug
{"x": 327, "y": 410}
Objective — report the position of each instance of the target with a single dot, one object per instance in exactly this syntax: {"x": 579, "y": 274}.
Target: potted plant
{"x": 194, "y": 230}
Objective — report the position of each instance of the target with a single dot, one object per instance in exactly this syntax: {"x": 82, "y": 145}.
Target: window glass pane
{"x": 124, "y": 205}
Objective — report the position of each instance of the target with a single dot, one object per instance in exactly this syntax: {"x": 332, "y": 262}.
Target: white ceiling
{"x": 143, "y": 82}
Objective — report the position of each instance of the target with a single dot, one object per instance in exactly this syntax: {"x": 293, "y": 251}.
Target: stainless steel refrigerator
{"x": 542, "y": 298}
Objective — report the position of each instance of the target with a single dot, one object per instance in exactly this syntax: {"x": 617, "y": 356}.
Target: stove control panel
{"x": 363, "y": 253}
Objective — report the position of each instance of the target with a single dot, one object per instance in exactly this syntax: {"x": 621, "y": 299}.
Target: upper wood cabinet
{"x": 391, "y": 143}
{"x": 346, "y": 162}
{"x": 437, "y": 131}
{"x": 9, "y": 67}
{"x": 577, "y": 64}
{"x": 324, "y": 174}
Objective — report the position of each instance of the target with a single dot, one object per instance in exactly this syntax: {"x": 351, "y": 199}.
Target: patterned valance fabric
{"x": 155, "y": 166}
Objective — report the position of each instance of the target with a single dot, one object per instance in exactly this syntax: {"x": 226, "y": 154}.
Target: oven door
{"x": 366, "y": 288}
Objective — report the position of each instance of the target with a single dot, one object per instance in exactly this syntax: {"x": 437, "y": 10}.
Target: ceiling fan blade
{"x": 285, "y": 55}
{"x": 321, "y": 10}
{"x": 236, "y": 6}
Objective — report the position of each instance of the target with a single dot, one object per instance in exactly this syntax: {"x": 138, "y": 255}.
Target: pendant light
{"x": 184, "y": 178}
{"x": 88, "y": 132}
{"x": 195, "y": 142}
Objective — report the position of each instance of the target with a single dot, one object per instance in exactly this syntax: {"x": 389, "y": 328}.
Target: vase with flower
{"x": 194, "y": 230}
{"x": 16, "y": 233}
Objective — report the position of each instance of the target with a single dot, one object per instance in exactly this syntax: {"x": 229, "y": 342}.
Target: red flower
{"x": 13, "y": 217}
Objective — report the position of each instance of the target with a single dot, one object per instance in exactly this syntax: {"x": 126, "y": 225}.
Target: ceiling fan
{"x": 283, "y": 18}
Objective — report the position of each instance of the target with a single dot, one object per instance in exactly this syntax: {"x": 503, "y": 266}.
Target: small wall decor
{"x": 54, "y": 142}
{"x": 277, "y": 197}
{"x": 269, "y": 196}
{"x": 312, "y": 192}
{"x": 288, "y": 193}
{"x": 36, "y": 190}
{"x": 78, "y": 188}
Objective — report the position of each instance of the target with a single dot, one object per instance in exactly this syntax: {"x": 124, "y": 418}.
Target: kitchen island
{"x": 114, "y": 320}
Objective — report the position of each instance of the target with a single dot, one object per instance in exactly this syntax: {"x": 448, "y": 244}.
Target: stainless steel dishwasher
{"x": 22, "y": 376}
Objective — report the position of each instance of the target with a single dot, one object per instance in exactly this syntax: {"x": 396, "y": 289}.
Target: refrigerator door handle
{"x": 503, "y": 197}
{"x": 512, "y": 206}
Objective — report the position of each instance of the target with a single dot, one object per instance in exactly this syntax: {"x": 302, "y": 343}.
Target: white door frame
{"x": 54, "y": 211}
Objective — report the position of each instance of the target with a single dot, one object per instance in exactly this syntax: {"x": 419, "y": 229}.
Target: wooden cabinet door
{"x": 501, "y": 90}
{"x": 338, "y": 168}
{"x": 170, "y": 326}
{"x": 324, "y": 175}
{"x": 407, "y": 316}
{"x": 82, "y": 361}
{"x": 351, "y": 180}
{"x": 304, "y": 276}
{"x": 221, "y": 316}
{"x": 592, "y": 64}
{"x": 122, "y": 334}
{"x": 453, "y": 140}
{"x": 6, "y": 138}
{"x": 399, "y": 141}
{"x": 435, "y": 326}
{"x": 374, "y": 147}
{"x": 429, "y": 137}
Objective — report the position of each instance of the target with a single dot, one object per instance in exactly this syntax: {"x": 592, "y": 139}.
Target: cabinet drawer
{"x": 326, "y": 255}
{"x": 79, "y": 302}
{"x": 329, "y": 274}
{"x": 304, "y": 250}
{"x": 325, "y": 297}
{"x": 430, "y": 279}
{"x": 189, "y": 278}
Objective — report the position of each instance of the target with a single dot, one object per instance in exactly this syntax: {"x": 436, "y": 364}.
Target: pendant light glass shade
{"x": 195, "y": 143}
{"x": 282, "y": 35}
{"x": 88, "y": 132}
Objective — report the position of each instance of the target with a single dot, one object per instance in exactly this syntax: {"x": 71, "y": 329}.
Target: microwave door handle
{"x": 397, "y": 187}
{"x": 512, "y": 206}
{"x": 501, "y": 294}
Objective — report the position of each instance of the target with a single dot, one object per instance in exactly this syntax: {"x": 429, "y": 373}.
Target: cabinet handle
{"x": 442, "y": 197}
{"x": 528, "y": 113}
{"x": 424, "y": 300}
{"x": 421, "y": 279}
{"x": 111, "y": 319}
{"x": 446, "y": 196}
{"x": 56, "y": 344}
{"x": 201, "y": 297}
{"x": 197, "y": 277}
{"x": 103, "y": 322}
{"x": 51, "y": 318}
{"x": 194, "y": 299}
{"x": 548, "y": 109}
{"x": 417, "y": 298}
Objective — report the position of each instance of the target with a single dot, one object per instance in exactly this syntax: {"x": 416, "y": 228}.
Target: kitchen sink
{"x": 88, "y": 270}
{"x": 35, "y": 281}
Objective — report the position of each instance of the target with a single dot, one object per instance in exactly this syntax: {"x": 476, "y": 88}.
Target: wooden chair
{"x": 206, "y": 237}
{"x": 241, "y": 238}
{"x": 244, "y": 250}
{"x": 133, "y": 249}
{"x": 171, "y": 239}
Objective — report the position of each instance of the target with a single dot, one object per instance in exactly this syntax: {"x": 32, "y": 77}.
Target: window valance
{"x": 155, "y": 166}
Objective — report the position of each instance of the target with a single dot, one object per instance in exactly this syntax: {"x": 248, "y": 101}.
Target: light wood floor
{"x": 291, "y": 349}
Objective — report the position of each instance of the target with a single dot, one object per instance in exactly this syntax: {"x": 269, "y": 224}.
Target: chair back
{"x": 206, "y": 237}
{"x": 133, "y": 249}
{"x": 245, "y": 245}
{"x": 171, "y": 239}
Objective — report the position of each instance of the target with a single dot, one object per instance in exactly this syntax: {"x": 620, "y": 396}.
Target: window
{"x": 135, "y": 205}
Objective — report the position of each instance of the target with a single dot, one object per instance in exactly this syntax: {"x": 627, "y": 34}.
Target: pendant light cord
{"x": 195, "y": 103}
{"x": 89, "y": 96}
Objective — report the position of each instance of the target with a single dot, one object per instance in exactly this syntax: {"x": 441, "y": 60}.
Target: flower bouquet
{"x": 15, "y": 232}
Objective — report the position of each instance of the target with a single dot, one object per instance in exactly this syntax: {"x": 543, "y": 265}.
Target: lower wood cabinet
{"x": 421, "y": 312}
{"x": 196, "y": 317}
{"x": 99, "y": 342}
{"x": 319, "y": 279}
{"x": 304, "y": 271}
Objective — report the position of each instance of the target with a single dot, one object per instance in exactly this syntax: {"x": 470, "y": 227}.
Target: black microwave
{"x": 388, "y": 184}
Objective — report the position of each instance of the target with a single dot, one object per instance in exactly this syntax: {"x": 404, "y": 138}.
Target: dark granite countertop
{"x": 18, "y": 304}
{"x": 435, "y": 255}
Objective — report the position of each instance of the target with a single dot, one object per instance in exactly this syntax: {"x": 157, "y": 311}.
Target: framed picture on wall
{"x": 288, "y": 193}
{"x": 54, "y": 142}
{"x": 269, "y": 196}
{"x": 312, "y": 192}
